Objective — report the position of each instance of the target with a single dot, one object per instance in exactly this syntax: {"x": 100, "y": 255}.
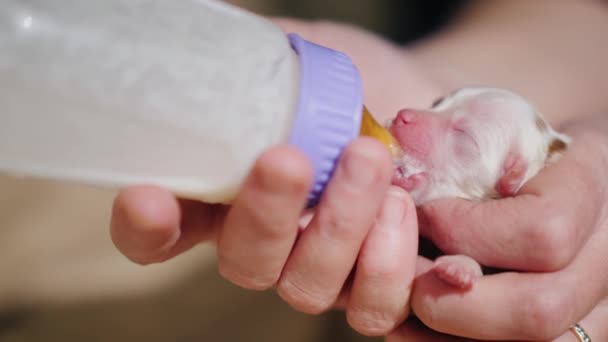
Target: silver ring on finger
{"x": 580, "y": 333}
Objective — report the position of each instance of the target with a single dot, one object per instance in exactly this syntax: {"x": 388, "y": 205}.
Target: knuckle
{"x": 282, "y": 170}
{"x": 431, "y": 318}
{"x": 544, "y": 314}
{"x": 303, "y": 299}
{"x": 247, "y": 280}
{"x": 341, "y": 226}
{"x": 371, "y": 322}
{"x": 338, "y": 222}
{"x": 553, "y": 242}
{"x": 378, "y": 271}
{"x": 371, "y": 154}
{"x": 261, "y": 226}
{"x": 379, "y": 302}
{"x": 427, "y": 311}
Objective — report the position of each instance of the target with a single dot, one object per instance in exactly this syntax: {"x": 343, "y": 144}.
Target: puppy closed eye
{"x": 464, "y": 144}
{"x": 437, "y": 102}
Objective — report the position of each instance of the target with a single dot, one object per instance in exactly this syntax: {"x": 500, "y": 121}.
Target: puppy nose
{"x": 406, "y": 116}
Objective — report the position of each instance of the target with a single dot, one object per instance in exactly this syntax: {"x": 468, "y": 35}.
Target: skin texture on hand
{"x": 521, "y": 240}
{"x": 544, "y": 228}
{"x": 555, "y": 229}
{"x": 260, "y": 251}
{"x": 414, "y": 331}
{"x": 359, "y": 250}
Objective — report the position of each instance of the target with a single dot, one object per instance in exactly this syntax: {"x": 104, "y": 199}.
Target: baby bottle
{"x": 181, "y": 94}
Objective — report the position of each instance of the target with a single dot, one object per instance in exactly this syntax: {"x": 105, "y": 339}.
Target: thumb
{"x": 494, "y": 232}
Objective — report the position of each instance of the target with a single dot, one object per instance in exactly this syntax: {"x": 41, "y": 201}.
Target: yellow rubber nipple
{"x": 371, "y": 128}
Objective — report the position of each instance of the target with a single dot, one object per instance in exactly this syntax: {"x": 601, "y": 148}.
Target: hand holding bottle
{"x": 258, "y": 242}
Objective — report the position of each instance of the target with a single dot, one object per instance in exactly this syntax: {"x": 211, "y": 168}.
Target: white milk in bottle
{"x": 184, "y": 94}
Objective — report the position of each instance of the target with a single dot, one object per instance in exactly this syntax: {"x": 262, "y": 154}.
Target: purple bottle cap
{"x": 328, "y": 110}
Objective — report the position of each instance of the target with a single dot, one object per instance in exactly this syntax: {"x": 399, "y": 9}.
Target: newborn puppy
{"x": 476, "y": 144}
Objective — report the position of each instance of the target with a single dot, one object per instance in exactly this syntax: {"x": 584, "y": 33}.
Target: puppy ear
{"x": 557, "y": 146}
{"x": 513, "y": 171}
{"x": 557, "y": 142}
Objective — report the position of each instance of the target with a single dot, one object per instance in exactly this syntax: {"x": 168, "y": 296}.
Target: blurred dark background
{"x": 399, "y": 20}
{"x": 62, "y": 280}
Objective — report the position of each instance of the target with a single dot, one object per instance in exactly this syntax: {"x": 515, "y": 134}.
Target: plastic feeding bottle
{"x": 182, "y": 94}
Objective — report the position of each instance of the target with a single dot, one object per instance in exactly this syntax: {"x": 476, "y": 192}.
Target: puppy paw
{"x": 457, "y": 270}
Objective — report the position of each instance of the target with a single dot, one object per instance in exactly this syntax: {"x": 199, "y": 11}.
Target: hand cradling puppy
{"x": 477, "y": 144}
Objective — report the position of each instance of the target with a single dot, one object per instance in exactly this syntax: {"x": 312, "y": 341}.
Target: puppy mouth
{"x": 404, "y": 168}
{"x": 398, "y": 176}
{"x": 406, "y": 165}
{"x": 399, "y": 172}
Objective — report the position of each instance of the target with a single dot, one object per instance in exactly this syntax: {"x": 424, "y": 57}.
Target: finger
{"x": 146, "y": 221}
{"x": 327, "y": 249}
{"x": 379, "y": 298}
{"x": 594, "y": 325}
{"x": 414, "y": 331}
{"x": 260, "y": 229}
{"x": 423, "y": 265}
{"x": 544, "y": 226}
{"x": 516, "y": 306}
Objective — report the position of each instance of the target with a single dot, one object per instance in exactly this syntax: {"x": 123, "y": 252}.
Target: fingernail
{"x": 393, "y": 209}
{"x": 359, "y": 168}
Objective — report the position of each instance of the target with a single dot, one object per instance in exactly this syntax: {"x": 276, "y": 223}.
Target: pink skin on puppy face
{"x": 476, "y": 144}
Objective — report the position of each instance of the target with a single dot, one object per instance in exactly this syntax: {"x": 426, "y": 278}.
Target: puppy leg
{"x": 457, "y": 270}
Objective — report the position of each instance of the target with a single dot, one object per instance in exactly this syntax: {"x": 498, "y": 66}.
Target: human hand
{"x": 257, "y": 237}
{"x": 554, "y": 231}
{"x": 360, "y": 222}
{"x": 414, "y": 331}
